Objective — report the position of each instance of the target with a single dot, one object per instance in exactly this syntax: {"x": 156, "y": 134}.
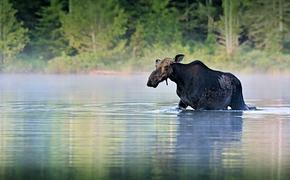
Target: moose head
{"x": 163, "y": 70}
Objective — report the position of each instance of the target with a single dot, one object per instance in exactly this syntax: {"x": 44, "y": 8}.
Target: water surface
{"x": 114, "y": 127}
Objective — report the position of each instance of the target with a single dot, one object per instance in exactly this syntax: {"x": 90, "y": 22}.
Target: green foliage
{"x": 87, "y": 62}
{"x": 197, "y": 19}
{"x": 158, "y": 24}
{"x": 94, "y": 25}
{"x": 24, "y": 64}
{"x": 73, "y": 36}
{"x": 229, "y": 27}
{"x": 49, "y": 41}
{"x": 138, "y": 41}
{"x": 12, "y": 35}
{"x": 161, "y": 25}
{"x": 267, "y": 24}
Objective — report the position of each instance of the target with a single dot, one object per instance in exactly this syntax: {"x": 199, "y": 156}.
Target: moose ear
{"x": 178, "y": 58}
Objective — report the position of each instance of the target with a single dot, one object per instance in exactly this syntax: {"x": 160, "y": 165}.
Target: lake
{"x": 114, "y": 127}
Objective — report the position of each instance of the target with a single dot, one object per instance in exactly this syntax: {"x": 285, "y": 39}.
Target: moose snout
{"x": 150, "y": 84}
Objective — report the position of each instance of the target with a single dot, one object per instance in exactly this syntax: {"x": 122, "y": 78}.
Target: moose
{"x": 198, "y": 86}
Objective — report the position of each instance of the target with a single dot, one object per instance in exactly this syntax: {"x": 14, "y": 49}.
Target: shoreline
{"x": 128, "y": 73}
{"x": 93, "y": 73}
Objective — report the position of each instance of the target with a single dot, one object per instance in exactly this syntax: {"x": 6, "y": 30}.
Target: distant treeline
{"x": 81, "y": 36}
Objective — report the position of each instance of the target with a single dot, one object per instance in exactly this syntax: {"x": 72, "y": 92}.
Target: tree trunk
{"x": 1, "y": 36}
{"x": 230, "y": 25}
{"x": 281, "y": 26}
{"x": 227, "y": 25}
{"x": 93, "y": 38}
{"x": 209, "y": 18}
{"x": 1, "y": 58}
{"x": 70, "y": 6}
{"x": 281, "y": 15}
{"x": 230, "y": 39}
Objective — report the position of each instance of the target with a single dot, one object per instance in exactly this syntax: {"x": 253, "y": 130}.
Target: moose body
{"x": 199, "y": 86}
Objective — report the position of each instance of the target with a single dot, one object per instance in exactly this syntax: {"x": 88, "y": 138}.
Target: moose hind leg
{"x": 237, "y": 100}
{"x": 238, "y": 106}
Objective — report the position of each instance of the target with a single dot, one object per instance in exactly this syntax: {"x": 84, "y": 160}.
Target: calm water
{"x": 114, "y": 127}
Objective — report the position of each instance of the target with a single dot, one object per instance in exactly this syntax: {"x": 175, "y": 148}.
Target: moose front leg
{"x": 182, "y": 105}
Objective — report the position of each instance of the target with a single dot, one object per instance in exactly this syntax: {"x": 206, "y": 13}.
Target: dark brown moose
{"x": 199, "y": 86}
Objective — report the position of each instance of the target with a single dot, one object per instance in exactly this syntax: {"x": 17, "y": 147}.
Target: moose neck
{"x": 178, "y": 74}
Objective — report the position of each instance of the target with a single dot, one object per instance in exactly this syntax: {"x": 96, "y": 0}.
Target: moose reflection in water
{"x": 210, "y": 137}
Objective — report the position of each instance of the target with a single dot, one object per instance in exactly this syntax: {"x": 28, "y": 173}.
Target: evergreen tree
{"x": 160, "y": 23}
{"x": 155, "y": 22}
{"x": 12, "y": 35}
{"x": 229, "y": 27}
{"x": 267, "y": 24}
{"x": 138, "y": 41}
{"x": 49, "y": 40}
{"x": 197, "y": 19}
{"x": 94, "y": 25}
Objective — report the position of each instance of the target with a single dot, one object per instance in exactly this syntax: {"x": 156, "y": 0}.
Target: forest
{"x": 71, "y": 36}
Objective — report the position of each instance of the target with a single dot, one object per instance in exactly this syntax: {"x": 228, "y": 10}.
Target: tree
{"x": 49, "y": 40}
{"x": 197, "y": 19}
{"x": 229, "y": 26}
{"x": 155, "y": 22}
{"x": 161, "y": 23}
{"x": 13, "y": 36}
{"x": 94, "y": 25}
{"x": 138, "y": 40}
{"x": 268, "y": 23}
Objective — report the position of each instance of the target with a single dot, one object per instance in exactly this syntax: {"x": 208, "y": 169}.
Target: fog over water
{"x": 114, "y": 127}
